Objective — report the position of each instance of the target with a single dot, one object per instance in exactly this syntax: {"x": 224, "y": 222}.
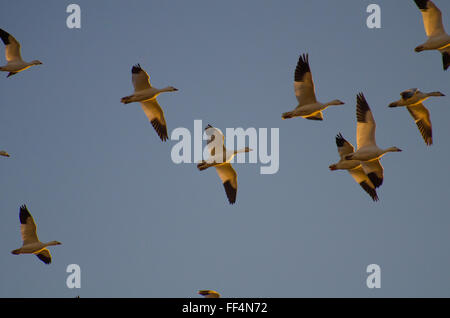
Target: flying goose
{"x": 14, "y": 64}
{"x": 308, "y": 106}
{"x": 438, "y": 39}
{"x": 413, "y": 99}
{"x": 353, "y": 167}
{"x": 368, "y": 152}
{"x": 220, "y": 158}
{"x": 146, "y": 94}
{"x": 31, "y": 243}
{"x": 4, "y": 153}
{"x": 209, "y": 293}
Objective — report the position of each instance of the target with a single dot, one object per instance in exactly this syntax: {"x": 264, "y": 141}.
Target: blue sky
{"x": 96, "y": 177}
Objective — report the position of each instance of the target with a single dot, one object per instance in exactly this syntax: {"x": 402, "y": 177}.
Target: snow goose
{"x": 146, "y": 95}
{"x": 220, "y": 158}
{"x": 209, "y": 293}
{"x": 15, "y": 64}
{"x": 413, "y": 99}
{"x": 31, "y": 243}
{"x": 368, "y": 152}
{"x": 308, "y": 106}
{"x": 353, "y": 167}
{"x": 4, "y": 153}
{"x": 438, "y": 39}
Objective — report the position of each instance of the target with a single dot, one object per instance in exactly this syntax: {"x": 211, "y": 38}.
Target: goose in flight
{"x": 354, "y": 167}
{"x": 31, "y": 243}
{"x": 438, "y": 39}
{"x": 308, "y": 106}
{"x": 368, "y": 152}
{"x": 4, "y": 153}
{"x": 146, "y": 95}
{"x": 209, "y": 293}
{"x": 220, "y": 158}
{"x": 14, "y": 64}
{"x": 413, "y": 99}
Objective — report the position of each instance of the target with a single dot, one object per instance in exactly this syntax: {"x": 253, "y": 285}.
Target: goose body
{"x": 15, "y": 63}
{"x": 438, "y": 39}
{"x": 354, "y": 167}
{"x": 4, "y": 153}
{"x": 146, "y": 94}
{"x": 209, "y": 293}
{"x": 308, "y": 107}
{"x": 413, "y": 100}
{"x": 220, "y": 158}
{"x": 31, "y": 243}
{"x": 368, "y": 152}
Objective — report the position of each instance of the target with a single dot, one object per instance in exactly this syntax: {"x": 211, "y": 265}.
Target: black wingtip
{"x": 302, "y": 67}
{"x": 377, "y": 182}
{"x": 372, "y": 192}
{"x": 24, "y": 214}
{"x": 161, "y": 129}
{"x": 339, "y": 140}
{"x": 230, "y": 191}
{"x": 362, "y": 107}
{"x": 4, "y": 36}
{"x": 422, "y": 4}
{"x": 446, "y": 60}
{"x": 136, "y": 68}
{"x": 46, "y": 260}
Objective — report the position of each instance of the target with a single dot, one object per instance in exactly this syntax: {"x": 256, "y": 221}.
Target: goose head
{"x": 36, "y": 62}
{"x": 336, "y": 102}
{"x": 393, "y": 149}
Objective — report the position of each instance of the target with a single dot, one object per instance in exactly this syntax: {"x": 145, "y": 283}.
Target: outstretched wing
{"x": 365, "y": 126}
{"x": 408, "y": 93}
{"x": 140, "y": 78}
{"x": 27, "y": 226}
{"x": 303, "y": 82}
{"x": 421, "y": 116}
{"x": 432, "y": 18}
{"x": 12, "y": 47}
{"x": 229, "y": 179}
{"x": 155, "y": 114}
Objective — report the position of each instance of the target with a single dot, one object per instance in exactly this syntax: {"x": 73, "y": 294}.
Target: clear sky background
{"x": 96, "y": 177}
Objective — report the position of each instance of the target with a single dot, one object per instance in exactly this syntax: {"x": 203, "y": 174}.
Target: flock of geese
{"x": 363, "y": 164}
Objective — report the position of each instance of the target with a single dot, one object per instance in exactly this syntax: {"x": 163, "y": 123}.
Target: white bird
{"x": 438, "y": 39}
{"x": 220, "y": 158}
{"x": 368, "y": 152}
{"x": 15, "y": 64}
{"x": 354, "y": 167}
{"x": 146, "y": 95}
{"x": 209, "y": 293}
{"x": 4, "y": 153}
{"x": 31, "y": 243}
{"x": 308, "y": 107}
{"x": 413, "y": 99}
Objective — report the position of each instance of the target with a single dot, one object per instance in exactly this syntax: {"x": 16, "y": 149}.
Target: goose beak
{"x": 392, "y": 105}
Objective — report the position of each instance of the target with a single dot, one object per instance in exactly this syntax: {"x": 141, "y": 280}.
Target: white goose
{"x": 209, "y": 293}
{"x": 146, "y": 95}
{"x": 220, "y": 158}
{"x": 308, "y": 107}
{"x": 15, "y": 64}
{"x": 368, "y": 152}
{"x": 4, "y": 153}
{"x": 353, "y": 167}
{"x": 413, "y": 99}
{"x": 31, "y": 243}
{"x": 438, "y": 39}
